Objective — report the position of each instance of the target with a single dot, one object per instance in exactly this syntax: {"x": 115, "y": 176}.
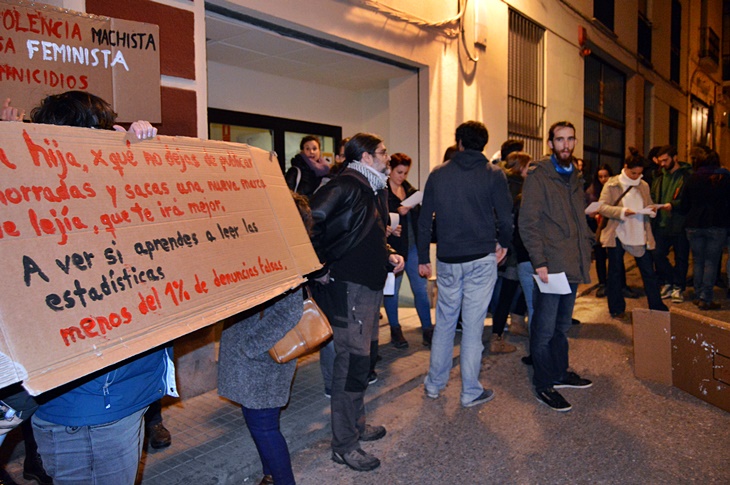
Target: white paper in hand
{"x": 413, "y": 200}
{"x": 557, "y": 284}
{"x": 389, "y": 289}
{"x": 394, "y": 220}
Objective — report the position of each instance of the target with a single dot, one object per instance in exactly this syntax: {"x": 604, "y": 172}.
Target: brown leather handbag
{"x": 312, "y": 330}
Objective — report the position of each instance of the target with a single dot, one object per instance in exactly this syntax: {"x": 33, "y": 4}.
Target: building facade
{"x": 625, "y": 72}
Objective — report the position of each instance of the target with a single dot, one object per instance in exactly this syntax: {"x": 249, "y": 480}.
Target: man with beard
{"x": 350, "y": 215}
{"x": 554, "y": 230}
{"x": 667, "y": 190}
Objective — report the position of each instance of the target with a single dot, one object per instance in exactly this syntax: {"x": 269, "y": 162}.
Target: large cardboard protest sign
{"x": 109, "y": 247}
{"x": 47, "y": 50}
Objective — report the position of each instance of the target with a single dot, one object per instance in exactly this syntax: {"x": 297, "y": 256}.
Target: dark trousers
{"x": 666, "y": 274}
{"x": 548, "y": 336}
{"x": 614, "y": 289}
{"x": 601, "y": 262}
{"x": 153, "y": 415}
{"x": 263, "y": 424}
{"x": 353, "y": 336}
{"x": 501, "y": 312}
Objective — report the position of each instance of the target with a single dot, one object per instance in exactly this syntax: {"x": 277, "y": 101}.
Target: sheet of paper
{"x": 413, "y": 200}
{"x": 648, "y": 211}
{"x": 557, "y": 284}
{"x": 394, "y": 220}
{"x": 593, "y": 207}
{"x": 389, "y": 288}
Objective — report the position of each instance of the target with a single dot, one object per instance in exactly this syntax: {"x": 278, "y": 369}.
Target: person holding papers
{"x": 405, "y": 244}
{"x": 554, "y": 230}
{"x": 628, "y": 207}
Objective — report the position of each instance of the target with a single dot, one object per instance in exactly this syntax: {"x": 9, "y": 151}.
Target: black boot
{"x": 397, "y": 338}
{"x": 427, "y": 336}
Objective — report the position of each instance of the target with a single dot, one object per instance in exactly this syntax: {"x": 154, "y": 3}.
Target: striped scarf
{"x": 377, "y": 180}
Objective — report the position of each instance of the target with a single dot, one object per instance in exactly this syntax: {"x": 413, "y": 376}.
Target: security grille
{"x": 526, "y": 98}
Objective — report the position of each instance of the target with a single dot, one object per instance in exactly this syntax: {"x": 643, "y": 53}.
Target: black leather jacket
{"x": 344, "y": 210}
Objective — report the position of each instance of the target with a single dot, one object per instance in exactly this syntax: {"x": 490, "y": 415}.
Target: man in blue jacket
{"x": 471, "y": 201}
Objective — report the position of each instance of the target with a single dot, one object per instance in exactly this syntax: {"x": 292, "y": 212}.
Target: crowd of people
{"x": 504, "y": 231}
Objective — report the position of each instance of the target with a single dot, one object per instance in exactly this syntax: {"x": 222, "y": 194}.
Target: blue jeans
{"x": 467, "y": 287}
{"x": 615, "y": 286}
{"x": 706, "y": 245}
{"x": 418, "y": 287}
{"x": 668, "y": 275}
{"x": 525, "y": 272}
{"x": 263, "y": 424}
{"x": 91, "y": 455}
{"x": 548, "y": 337}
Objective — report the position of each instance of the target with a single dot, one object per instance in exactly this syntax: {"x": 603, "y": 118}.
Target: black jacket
{"x": 308, "y": 182}
{"x": 344, "y": 211}
{"x": 401, "y": 244}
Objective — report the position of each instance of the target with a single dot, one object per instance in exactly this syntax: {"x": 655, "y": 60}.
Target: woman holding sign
{"x": 405, "y": 244}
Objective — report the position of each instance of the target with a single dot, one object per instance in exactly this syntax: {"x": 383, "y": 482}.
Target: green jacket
{"x": 669, "y": 187}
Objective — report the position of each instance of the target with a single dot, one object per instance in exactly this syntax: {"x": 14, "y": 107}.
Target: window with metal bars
{"x": 526, "y": 98}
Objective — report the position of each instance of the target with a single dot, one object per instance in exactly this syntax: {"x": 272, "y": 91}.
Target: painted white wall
{"x": 237, "y": 89}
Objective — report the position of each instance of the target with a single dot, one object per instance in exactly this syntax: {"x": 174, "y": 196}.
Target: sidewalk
{"x": 210, "y": 441}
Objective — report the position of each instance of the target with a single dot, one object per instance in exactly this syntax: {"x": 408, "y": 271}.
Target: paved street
{"x": 622, "y": 430}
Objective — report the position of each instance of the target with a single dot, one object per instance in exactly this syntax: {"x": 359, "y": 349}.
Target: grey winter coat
{"x": 246, "y": 372}
{"x": 553, "y": 225}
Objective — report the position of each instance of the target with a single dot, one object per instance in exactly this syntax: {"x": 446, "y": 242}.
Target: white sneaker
{"x": 666, "y": 292}
{"x": 677, "y": 296}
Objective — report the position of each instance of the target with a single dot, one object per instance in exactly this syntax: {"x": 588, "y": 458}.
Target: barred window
{"x": 526, "y": 97}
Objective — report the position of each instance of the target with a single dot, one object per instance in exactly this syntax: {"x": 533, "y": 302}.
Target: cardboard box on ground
{"x": 111, "y": 248}
{"x": 687, "y": 350}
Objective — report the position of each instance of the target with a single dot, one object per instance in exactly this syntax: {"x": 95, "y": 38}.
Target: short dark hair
{"x": 75, "y": 108}
{"x": 556, "y": 125}
{"x": 670, "y": 150}
{"x": 473, "y": 135}
{"x": 400, "y": 159}
{"x": 307, "y": 139}
{"x": 712, "y": 159}
{"x": 652, "y": 153}
{"x": 450, "y": 152}
{"x": 359, "y": 144}
{"x": 510, "y": 146}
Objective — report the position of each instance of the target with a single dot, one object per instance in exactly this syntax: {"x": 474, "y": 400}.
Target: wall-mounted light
{"x": 583, "y": 50}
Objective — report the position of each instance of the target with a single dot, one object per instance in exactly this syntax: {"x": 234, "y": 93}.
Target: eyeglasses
{"x": 382, "y": 153}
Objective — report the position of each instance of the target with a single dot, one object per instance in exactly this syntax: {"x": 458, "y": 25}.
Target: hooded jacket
{"x": 111, "y": 394}
{"x": 465, "y": 194}
{"x": 669, "y": 188}
{"x": 553, "y": 225}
